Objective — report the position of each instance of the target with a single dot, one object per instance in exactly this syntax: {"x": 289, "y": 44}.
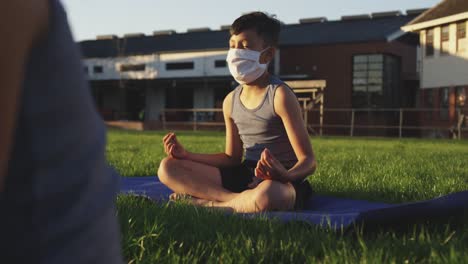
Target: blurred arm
{"x": 21, "y": 23}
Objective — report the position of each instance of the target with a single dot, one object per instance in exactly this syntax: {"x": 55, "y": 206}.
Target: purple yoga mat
{"x": 331, "y": 211}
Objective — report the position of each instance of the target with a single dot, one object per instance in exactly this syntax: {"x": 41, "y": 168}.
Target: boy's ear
{"x": 268, "y": 55}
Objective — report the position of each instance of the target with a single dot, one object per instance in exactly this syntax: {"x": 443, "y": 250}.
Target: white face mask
{"x": 245, "y": 65}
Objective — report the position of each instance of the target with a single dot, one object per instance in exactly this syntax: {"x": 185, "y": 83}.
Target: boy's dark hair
{"x": 267, "y": 27}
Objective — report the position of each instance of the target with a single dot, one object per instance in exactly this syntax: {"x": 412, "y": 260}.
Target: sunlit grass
{"x": 387, "y": 170}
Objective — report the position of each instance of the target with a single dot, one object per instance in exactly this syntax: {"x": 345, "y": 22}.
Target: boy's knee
{"x": 165, "y": 168}
{"x": 273, "y": 195}
{"x": 263, "y": 195}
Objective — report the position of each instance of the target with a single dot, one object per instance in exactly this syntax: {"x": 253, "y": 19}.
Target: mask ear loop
{"x": 261, "y": 52}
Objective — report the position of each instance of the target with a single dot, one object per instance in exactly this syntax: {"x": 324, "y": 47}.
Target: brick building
{"x": 444, "y": 79}
{"x": 367, "y": 61}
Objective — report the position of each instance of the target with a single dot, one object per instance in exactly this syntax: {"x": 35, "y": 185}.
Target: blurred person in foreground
{"x": 57, "y": 193}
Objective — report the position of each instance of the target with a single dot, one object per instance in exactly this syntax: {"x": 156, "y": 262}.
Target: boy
{"x": 262, "y": 118}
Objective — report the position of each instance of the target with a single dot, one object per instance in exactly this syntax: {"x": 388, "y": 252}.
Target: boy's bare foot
{"x": 189, "y": 199}
{"x": 200, "y": 202}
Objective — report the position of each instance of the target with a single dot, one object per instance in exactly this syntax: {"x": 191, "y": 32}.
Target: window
{"x": 429, "y": 99}
{"x": 429, "y": 102}
{"x": 98, "y": 69}
{"x": 444, "y": 103}
{"x": 461, "y": 96}
{"x": 179, "y": 66}
{"x": 220, "y": 64}
{"x": 430, "y": 42}
{"x": 462, "y": 42}
{"x": 132, "y": 67}
{"x": 85, "y": 69}
{"x": 373, "y": 76}
{"x": 445, "y": 40}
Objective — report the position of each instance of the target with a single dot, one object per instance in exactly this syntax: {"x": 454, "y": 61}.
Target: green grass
{"x": 388, "y": 170}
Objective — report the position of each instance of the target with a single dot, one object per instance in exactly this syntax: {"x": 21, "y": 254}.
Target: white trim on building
{"x": 157, "y": 66}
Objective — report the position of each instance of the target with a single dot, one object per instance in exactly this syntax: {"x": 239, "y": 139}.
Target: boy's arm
{"x": 21, "y": 22}
{"x": 234, "y": 151}
{"x": 287, "y": 107}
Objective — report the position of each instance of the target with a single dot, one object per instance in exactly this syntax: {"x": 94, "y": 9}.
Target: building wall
{"x": 155, "y": 66}
{"x": 444, "y": 70}
{"x": 203, "y": 97}
{"x": 111, "y": 100}
{"x": 333, "y": 63}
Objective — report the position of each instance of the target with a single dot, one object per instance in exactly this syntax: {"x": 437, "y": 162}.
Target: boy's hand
{"x": 173, "y": 148}
{"x": 269, "y": 168}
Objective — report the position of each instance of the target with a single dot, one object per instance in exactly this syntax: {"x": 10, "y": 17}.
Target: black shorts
{"x": 236, "y": 179}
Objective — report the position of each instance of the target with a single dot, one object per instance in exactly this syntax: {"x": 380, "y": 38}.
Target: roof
{"x": 153, "y": 44}
{"x": 444, "y": 9}
{"x": 319, "y": 33}
{"x": 333, "y": 32}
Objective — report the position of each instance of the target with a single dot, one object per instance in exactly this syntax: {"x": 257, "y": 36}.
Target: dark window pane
{"x": 376, "y": 66}
{"x": 444, "y": 103}
{"x": 220, "y": 64}
{"x": 461, "y": 30}
{"x": 375, "y": 88}
{"x": 376, "y": 99}
{"x": 429, "y": 102}
{"x": 461, "y": 96}
{"x": 445, "y": 33}
{"x": 98, "y": 69}
{"x": 360, "y": 88}
{"x": 444, "y": 44}
{"x": 462, "y": 42}
{"x": 376, "y": 58}
{"x": 375, "y": 82}
{"x": 360, "y": 67}
{"x": 132, "y": 67}
{"x": 360, "y": 99}
{"x": 179, "y": 66}
{"x": 430, "y": 42}
{"x": 360, "y": 59}
{"x": 360, "y": 74}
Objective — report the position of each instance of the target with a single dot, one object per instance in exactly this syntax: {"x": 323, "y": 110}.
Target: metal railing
{"x": 352, "y": 126}
{"x": 195, "y": 121}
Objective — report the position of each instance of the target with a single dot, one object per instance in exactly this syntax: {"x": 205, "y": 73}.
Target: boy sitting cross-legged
{"x": 263, "y": 119}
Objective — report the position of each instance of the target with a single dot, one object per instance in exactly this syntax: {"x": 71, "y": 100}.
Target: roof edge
{"x": 414, "y": 21}
{"x": 435, "y": 22}
{"x": 395, "y": 35}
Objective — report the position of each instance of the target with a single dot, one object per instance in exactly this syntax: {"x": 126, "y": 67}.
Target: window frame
{"x": 444, "y": 39}
{"x": 461, "y": 36}
{"x": 365, "y": 76}
{"x": 429, "y": 45}
{"x": 444, "y": 103}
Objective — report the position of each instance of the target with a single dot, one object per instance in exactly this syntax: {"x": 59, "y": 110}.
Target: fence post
{"x": 459, "y": 123}
{"x": 400, "y": 131}
{"x": 351, "y": 132}
{"x": 195, "y": 120}
{"x": 164, "y": 119}
{"x": 321, "y": 118}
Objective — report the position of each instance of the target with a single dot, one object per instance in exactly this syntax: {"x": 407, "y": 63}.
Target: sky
{"x": 89, "y": 18}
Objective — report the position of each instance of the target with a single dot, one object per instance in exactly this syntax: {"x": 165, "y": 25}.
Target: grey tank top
{"x": 58, "y": 205}
{"x": 262, "y": 128}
